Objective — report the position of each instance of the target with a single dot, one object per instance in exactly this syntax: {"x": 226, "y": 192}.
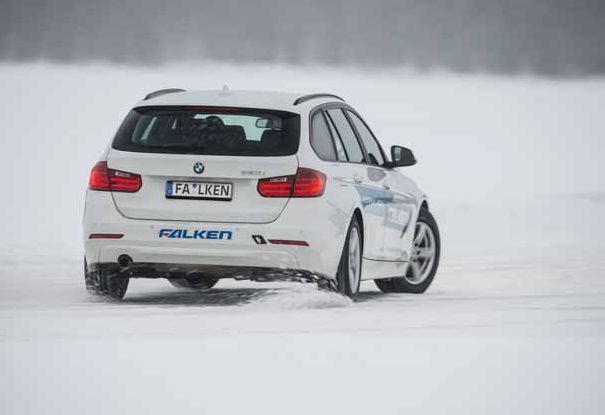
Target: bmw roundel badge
{"x": 198, "y": 167}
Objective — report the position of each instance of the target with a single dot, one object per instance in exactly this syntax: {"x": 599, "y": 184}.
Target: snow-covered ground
{"x": 515, "y": 321}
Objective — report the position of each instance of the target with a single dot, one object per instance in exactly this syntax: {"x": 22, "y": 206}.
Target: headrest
{"x": 270, "y": 138}
{"x": 236, "y": 132}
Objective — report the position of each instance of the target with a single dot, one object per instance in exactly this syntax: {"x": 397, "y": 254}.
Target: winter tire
{"x": 104, "y": 284}
{"x": 348, "y": 277}
{"x": 424, "y": 259}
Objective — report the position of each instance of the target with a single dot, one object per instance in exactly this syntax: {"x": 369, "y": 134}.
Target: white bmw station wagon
{"x": 202, "y": 185}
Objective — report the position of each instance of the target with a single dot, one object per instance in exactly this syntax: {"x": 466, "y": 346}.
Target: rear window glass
{"x": 210, "y": 131}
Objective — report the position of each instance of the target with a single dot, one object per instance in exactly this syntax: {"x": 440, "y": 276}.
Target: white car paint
{"x": 386, "y": 199}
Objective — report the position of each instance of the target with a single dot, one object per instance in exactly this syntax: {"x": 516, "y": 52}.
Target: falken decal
{"x": 195, "y": 234}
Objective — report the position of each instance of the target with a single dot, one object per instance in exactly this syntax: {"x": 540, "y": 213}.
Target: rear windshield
{"x": 209, "y": 130}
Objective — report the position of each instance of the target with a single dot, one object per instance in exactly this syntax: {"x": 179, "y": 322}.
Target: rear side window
{"x": 347, "y": 135}
{"x": 369, "y": 141}
{"x": 321, "y": 140}
{"x": 340, "y": 150}
{"x": 208, "y": 130}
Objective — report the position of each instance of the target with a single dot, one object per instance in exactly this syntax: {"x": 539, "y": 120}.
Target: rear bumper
{"x": 175, "y": 271}
{"x": 147, "y": 242}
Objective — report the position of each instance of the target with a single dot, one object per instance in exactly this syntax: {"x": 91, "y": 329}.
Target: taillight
{"x": 306, "y": 183}
{"x": 276, "y": 186}
{"x": 104, "y": 178}
{"x": 121, "y": 181}
{"x": 99, "y": 177}
{"x": 309, "y": 183}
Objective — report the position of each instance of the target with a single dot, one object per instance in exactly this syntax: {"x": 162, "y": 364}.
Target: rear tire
{"x": 348, "y": 277}
{"x": 199, "y": 282}
{"x": 104, "y": 284}
{"x": 422, "y": 269}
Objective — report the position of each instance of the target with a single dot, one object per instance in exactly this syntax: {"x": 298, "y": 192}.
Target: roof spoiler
{"x": 162, "y": 92}
{"x": 305, "y": 98}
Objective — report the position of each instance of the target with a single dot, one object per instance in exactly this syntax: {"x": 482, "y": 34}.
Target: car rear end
{"x": 189, "y": 189}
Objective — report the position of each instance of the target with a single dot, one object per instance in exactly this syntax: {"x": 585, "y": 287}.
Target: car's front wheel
{"x": 424, "y": 259}
{"x": 194, "y": 282}
{"x": 105, "y": 284}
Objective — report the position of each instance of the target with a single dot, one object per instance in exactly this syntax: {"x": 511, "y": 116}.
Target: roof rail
{"x": 305, "y": 98}
{"x": 162, "y": 92}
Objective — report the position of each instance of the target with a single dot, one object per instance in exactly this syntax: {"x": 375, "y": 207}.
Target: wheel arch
{"x": 424, "y": 204}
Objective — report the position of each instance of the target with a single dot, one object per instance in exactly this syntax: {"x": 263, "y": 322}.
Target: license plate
{"x": 199, "y": 190}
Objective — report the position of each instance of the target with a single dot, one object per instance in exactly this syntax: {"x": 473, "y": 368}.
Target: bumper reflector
{"x": 105, "y": 236}
{"x": 287, "y": 242}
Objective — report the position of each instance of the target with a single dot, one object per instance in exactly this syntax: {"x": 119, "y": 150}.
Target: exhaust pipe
{"x": 124, "y": 261}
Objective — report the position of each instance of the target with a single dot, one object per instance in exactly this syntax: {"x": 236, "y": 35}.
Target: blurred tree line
{"x": 547, "y": 37}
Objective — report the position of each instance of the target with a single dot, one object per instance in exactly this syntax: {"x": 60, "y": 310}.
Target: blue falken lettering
{"x": 195, "y": 234}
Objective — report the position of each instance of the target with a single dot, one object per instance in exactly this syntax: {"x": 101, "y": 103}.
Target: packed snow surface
{"x": 514, "y": 323}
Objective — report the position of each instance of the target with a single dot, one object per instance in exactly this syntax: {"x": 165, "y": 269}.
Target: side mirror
{"x": 400, "y": 157}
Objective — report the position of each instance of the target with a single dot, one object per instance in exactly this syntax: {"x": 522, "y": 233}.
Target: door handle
{"x": 386, "y": 186}
{"x": 357, "y": 179}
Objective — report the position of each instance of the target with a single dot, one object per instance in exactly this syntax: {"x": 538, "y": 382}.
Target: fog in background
{"x": 545, "y": 37}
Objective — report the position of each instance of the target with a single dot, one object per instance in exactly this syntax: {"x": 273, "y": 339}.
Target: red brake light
{"x": 104, "y": 178}
{"x": 122, "y": 181}
{"x": 306, "y": 183}
{"x": 276, "y": 186}
{"x": 207, "y": 108}
{"x": 99, "y": 177}
{"x": 309, "y": 183}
